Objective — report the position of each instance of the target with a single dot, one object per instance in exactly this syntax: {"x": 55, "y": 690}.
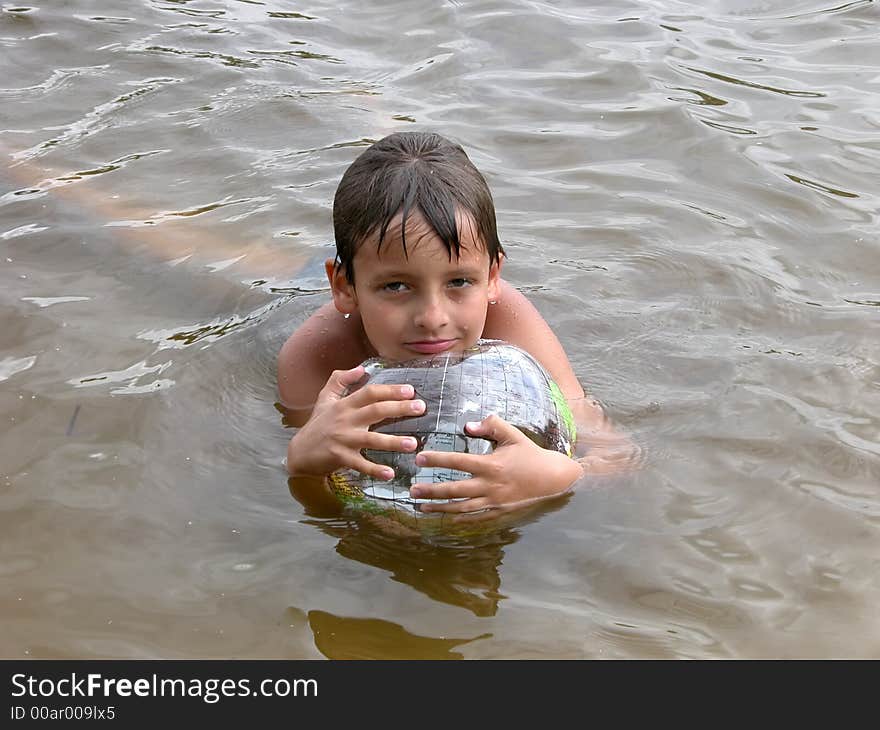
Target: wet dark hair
{"x": 408, "y": 171}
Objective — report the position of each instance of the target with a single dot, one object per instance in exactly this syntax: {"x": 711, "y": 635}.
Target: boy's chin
{"x": 404, "y": 353}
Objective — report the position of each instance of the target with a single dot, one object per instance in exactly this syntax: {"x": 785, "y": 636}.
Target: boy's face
{"x": 420, "y": 304}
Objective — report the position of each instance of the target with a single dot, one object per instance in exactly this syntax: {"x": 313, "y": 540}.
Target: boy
{"x": 418, "y": 272}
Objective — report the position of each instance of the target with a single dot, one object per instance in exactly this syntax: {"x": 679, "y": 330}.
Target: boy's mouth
{"x": 430, "y": 347}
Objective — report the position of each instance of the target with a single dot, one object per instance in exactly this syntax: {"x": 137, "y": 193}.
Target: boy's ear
{"x": 494, "y": 290}
{"x": 344, "y": 296}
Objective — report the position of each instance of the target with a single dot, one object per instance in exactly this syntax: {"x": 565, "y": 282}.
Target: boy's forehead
{"x": 418, "y": 231}
{"x": 417, "y": 224}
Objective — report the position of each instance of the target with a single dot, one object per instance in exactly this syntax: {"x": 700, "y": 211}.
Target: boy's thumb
{"x": 493, "y": 428}
{"x": 341, "y": 382}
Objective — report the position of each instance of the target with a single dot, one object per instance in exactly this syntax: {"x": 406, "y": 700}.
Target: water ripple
{"x": 686, "y": 192}
{"x": 96, "y": 120}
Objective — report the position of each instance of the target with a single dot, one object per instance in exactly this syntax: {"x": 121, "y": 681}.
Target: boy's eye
{"x": 459, "y": 282}
{"x": 394, "y": 286}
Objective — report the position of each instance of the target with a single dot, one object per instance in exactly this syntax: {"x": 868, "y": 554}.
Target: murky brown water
{"x": 687, "y": 191}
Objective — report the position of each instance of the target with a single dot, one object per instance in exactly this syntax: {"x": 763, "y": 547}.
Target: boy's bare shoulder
{"x": 323, "y": 343}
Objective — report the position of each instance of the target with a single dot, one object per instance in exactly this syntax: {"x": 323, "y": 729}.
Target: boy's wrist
{"x": 298, "y": 462}
{"x": 567, "y": 471}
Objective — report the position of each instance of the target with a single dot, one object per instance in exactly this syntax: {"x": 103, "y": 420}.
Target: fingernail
{"x": 421, "y": 459}
{"x": 416, "y": 492}
{"x": 409, "y": 442}
{"x": 418, "y": 406}
{"x": 407, "y": 391}
{"x": 388, "y": 474}
{"x": 472, "y": 425}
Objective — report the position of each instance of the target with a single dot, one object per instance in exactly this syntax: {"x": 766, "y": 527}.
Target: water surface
{"x": 687, "y": 191}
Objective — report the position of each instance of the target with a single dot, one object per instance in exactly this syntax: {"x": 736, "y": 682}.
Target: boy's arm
{"x": 315, "y": 349}
{"x": 515, "y": 319}
{"x": 601, "y": 449}
{"x": 170, "y": 234}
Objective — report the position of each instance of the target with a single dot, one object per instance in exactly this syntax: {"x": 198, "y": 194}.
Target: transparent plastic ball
{"x": 493, "y": 377}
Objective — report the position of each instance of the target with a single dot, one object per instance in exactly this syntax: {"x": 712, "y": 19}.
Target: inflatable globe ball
{"x": 492, "y": 377}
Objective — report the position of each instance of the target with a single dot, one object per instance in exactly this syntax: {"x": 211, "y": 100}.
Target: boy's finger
{"x": 467, "y": 488}
{"x": 385, "y": 442}
{"x": 495, "y": 429}
{"x": 470, "y": 463}
{"x": 371, "y": 469}
{"x": 377, "y": 412}
{"x": 376, "y": 393}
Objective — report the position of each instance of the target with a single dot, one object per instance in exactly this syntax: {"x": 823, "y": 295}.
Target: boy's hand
{"x": 339, "y": 427}
{"x": 518, "y": 471}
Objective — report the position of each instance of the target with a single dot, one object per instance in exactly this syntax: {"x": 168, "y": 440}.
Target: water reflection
{"x": 457, "y": 569}
{"x": 462, "y": 571}
{"x": 343, "y": 637}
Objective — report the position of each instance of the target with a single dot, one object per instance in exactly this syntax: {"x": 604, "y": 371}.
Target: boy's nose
{"x": 432, "y": 315}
